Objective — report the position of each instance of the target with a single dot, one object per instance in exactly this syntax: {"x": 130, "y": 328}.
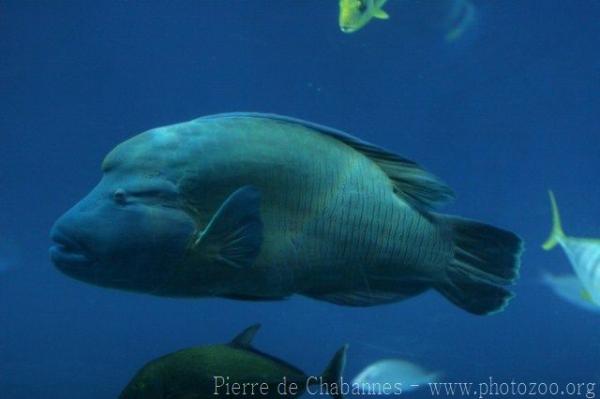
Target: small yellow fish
{"x": 583, "y": 253}
{"x": 354, "y": 14}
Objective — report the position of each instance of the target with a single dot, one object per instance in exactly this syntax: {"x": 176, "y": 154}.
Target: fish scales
{"x": 260, "y": 207}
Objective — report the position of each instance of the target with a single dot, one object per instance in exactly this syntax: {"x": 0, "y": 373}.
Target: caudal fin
{"x": 557, "y": 234}
{"x": 485, "y": 259}
{"x": 333, "y": 373}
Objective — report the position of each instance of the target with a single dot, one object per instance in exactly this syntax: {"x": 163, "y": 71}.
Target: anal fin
{"x": 371, "y": 297}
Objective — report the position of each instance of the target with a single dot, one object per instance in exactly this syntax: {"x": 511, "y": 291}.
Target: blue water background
{"x": 507, "y": 112}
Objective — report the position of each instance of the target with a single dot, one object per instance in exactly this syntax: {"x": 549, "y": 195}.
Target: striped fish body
{"x": 343, "y": 220}
{"x": 332, "y": 220}
{"x": 584, "y": 256}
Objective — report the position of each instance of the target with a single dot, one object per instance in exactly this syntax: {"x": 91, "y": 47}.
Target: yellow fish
{"x": 354, "y": 14}
{"x": 583, "y": 253}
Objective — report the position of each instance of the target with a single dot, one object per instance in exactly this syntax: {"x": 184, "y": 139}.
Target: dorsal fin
{"x": 411, "y": 182}
{"x": 244, "y": 339}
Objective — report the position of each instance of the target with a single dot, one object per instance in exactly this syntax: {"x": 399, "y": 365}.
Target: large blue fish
{"x": 260, "y": 207}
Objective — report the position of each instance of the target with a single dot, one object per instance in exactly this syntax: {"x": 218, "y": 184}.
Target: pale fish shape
{"x": 393, "y": 371}
{"x": 583, "y": 253}
{"x": 569, "y": 288}
{"x": 461, "y": 16}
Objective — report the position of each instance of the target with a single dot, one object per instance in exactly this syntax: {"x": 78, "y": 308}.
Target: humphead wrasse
{"x": 583, "y": 253}
{"x": 230, "y": 370}
{"x": 261, "y": 207}
{"x": 354, "y": 14}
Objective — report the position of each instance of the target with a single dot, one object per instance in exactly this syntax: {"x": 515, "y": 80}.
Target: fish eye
{"x": 119, "y": 196}
{"x": 362, "y": 7}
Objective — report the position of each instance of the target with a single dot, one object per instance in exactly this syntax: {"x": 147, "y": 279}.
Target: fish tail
{"x": 333, "y": 373}
{"x": 557, "y": 234}
{"x": 485, "y": 259}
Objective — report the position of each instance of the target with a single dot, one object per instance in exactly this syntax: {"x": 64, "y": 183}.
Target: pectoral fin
{"x": 380, "y": 14}
{"x": 234, "y": 235}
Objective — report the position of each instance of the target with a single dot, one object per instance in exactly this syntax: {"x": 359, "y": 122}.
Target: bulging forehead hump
{"x": 156, "y": 151}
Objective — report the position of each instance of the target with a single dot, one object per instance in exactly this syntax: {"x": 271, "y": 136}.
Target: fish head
{"x": 354, "y": 14}
{"x": 369, "y": 375}
{"x": 133, "y": 228}
{"x": 145, "y": 385}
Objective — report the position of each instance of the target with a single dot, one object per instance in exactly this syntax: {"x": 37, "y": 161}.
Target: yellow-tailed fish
{"x": 583, "y": 253}
{"x": 354, "y": 14}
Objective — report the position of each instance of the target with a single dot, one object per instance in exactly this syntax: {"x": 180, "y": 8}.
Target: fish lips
{"x": 68, "y": 255}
